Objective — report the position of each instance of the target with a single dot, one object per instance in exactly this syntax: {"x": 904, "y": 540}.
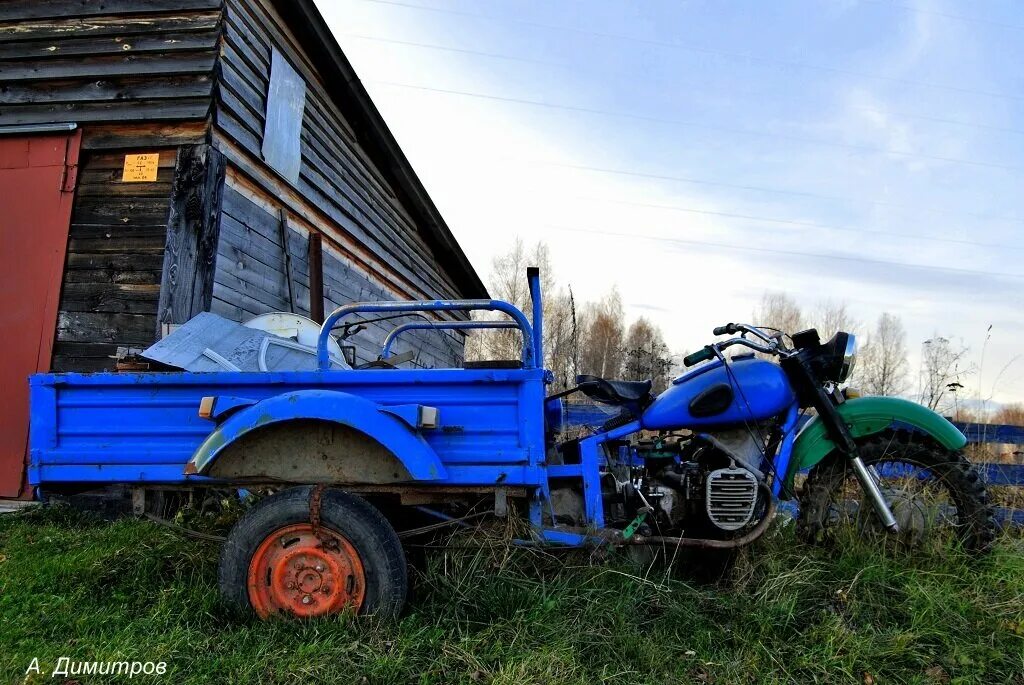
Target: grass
{"x": 72, "y": 585}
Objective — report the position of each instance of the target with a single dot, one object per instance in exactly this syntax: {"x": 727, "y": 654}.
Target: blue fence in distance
{"x": 992, "y": 433}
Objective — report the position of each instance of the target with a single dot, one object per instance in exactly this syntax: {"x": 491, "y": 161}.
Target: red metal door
{"x": 37, "y": 182}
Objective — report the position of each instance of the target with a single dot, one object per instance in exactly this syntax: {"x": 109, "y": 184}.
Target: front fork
{"x": 825, "y": 404}
{"x": 870, "y": 485}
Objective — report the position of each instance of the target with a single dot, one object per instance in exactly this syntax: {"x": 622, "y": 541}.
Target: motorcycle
{"x": 733, "y": 433}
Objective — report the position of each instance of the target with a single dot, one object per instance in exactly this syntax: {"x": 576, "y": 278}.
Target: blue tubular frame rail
{"x": 790, "y": 428}
{"x": 439, "y": 325}
{"x": 531, "y": 352}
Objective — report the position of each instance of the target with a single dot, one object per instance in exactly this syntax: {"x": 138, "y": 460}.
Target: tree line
{"x": 579, "y": 337}
{"x": 592, "y": 337}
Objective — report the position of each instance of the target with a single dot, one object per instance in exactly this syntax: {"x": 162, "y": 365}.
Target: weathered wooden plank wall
{"x": 336, "y": 174}
{"x": 68, "y": 60}
{"x": 136, "y": 77}
{"x": 250, "y": 277}
{"x": 115, "y": 256}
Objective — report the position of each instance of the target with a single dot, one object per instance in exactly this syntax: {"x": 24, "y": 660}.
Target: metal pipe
{"x": 533, "y": 278}
{"x": 784, "y": 453}
{"x": 323, "y": 358}
{"x": 707, "y": 543}
{"x": 444, "y": 517}
{"x": 439, "y": 325}
{"x": 444, "y": 523}
{"x": 26, "y": 129}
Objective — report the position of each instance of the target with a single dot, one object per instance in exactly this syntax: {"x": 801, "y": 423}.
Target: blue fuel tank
{"x": 709, "y": 396}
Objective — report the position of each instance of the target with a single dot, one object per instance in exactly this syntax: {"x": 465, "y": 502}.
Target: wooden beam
{"x": 316, "y": 277}
{"x": 283, "y": 227}
{"x": 193, "y": 229}
{"x": 119, "y": 136}
{"x": 20, "y": 10}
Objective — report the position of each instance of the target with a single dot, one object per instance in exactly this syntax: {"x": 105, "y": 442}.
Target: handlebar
{"x": 770, "y": 346}
{"x": 701, "y": 355}
{"x": 734, "y": 328}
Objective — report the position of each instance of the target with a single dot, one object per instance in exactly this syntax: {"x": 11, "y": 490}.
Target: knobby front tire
{"x": 831, "y": 491}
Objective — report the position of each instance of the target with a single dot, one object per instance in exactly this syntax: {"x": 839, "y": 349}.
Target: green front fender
{"x": 867, "y": 416}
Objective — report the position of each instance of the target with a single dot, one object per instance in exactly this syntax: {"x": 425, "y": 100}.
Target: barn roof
{"x": 308, "y": 25}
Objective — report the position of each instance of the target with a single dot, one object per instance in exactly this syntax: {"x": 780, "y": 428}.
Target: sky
{"x": 695, "y": 154}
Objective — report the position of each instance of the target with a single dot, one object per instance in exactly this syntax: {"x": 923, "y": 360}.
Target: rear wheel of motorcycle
{"x": 935, "y": 494}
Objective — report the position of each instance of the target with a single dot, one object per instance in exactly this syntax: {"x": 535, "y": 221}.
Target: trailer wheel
{"x": 274, "y": 562}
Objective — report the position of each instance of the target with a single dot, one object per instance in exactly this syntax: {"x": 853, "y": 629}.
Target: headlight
{"x": 832, "y": 361}
{"x": 849, "y": 357}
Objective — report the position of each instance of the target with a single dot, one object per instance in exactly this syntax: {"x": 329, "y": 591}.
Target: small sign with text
{"x": 140, "y": 168}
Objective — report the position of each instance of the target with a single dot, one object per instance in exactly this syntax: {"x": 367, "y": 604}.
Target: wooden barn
{"x": 161, "y": 158}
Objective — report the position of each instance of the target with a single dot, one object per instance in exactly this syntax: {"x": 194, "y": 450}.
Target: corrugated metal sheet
{"x": 208, "y": 342}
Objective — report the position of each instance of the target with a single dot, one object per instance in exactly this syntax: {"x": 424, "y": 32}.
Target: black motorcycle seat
{"x": 614, "y": 392}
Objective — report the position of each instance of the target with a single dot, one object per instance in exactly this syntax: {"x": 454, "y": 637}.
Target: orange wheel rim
{"x": 295, "y": 572}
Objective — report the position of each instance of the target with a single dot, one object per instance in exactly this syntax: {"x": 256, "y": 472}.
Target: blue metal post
{"x": 590, "y": 470}
{"x": 593, "y": 507}
{"x": 533, "y": 277}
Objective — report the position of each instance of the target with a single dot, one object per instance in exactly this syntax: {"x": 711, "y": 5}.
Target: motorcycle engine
{"x": 704, "y": 482}
{"x": 731, "y": 497}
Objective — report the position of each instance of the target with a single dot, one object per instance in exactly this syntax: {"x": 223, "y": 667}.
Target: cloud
{"x": 866, "y": 119}
{"x": 649, "y": 307}
{"x": 918, "y": 30}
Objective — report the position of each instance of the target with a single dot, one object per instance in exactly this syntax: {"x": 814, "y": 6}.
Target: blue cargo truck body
{"x": 486, "y": 426}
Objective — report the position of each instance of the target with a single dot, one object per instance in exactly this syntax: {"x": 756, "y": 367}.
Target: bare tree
{"x": 574, "y": 340}
{"x": 476, "y": 343}
{"x": 646, "y": 355}
{"x": 941, "y": 363}
{"x": 601, "y": 351}
{"x": 560, "y": 340}
{"x": 1010, "y": 414}
{"x": 508, "y": 282}
{"x": 830, "y": 317}
{"x": 882, "y": 369}
{"x": 778, "y": 310}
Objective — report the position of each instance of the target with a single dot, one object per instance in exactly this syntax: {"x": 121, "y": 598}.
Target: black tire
{"x": 974, "y": 524}
{"x": 375, "y": 541}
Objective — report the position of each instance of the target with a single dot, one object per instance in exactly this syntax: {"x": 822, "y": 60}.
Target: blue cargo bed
{"x": 144, "y": 428}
